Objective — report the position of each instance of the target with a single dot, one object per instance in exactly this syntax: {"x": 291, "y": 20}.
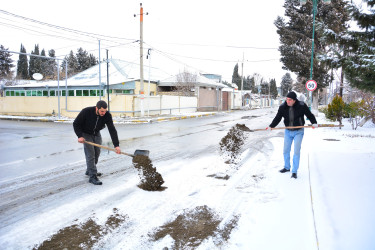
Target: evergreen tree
{"x": 335, "y": 110}
{"x": 43, "y": 64}
{"x": 273, "y": 88}
{"x": 296, "y": 32}
{"x": 35, "y": 63}
{"x": 50, "y": 67}
{"x": 83, "y": 60}
{"x": 22, "y": 65}
{"x": 5, "y": 63}
{"x": 286, "y": 84}
{"x": 264, "y": 88}
{"x": 72, "y": 62}
{"x": 360, "y": 64}
{"x": 93, "y": 60}
{"x": 236, "y": 78}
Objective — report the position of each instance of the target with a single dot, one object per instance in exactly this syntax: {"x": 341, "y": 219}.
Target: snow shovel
{"x": 137, "y": 152}
{"x": 244, "y": 128}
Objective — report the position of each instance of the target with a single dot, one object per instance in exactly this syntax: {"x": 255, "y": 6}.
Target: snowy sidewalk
{"x": 342, "y": 179}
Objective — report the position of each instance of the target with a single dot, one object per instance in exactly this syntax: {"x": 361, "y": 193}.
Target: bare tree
{"x": 186, "y": 82}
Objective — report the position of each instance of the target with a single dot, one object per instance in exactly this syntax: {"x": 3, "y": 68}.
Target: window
{"x": 78, "y": 92}
{"x": 93, "y": 92}
{"x": 71, "y": 93}
{"x": 39, "y": 93}
{"x": 28, "y": 93}
{"x": 85, "y": 93}
{"x": 45, "y": 92}
{"x": 63, "y": 92}
{"x": 52, "y": 93}
{"x": 33, "y": 93}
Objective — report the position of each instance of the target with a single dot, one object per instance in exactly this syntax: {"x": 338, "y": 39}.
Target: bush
{"x": 336, "y": 109}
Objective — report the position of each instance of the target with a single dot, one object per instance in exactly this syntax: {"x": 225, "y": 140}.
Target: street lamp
{"x": 315, "y": 3}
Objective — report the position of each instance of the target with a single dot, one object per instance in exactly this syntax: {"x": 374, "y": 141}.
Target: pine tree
{"x": 93, "y": 60}
{"x": 50, "y": 67}
{"x": 273, "y": 88}
{"x": 5, "y": 63}
{"x": 286, "y": 84}
{"x": 22, "y": 65}
{"x": 236, "y": 78}
{"x": 72, "y": 62}
{"x": 83, "y": 60}
{"x": 360, "y": 64}
{"x": 295, "y": 37}
{"x": 43, "y": 64}
{"x": 35, "y": 63}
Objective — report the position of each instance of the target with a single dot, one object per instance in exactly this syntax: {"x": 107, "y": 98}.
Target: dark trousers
{"x": 92, "y": 153}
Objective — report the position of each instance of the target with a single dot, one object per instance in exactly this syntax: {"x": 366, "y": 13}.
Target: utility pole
{"x": 100, "y": 76}
{"x": 142, "y": 93}
{"x": 242, "y": 97}
{"x": 108, "y": 80}
{"x": 149, "y": 77}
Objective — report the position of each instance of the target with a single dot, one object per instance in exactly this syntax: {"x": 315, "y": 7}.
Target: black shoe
{"x": 294, "y": 175}
{"x": 284, "y": 170}
{"x": 97, "y": 174}
{"x": 94, "y": 180}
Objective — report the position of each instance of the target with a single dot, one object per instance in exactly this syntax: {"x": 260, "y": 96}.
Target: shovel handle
{"x": 310, "y": 126}
{"x": 108, "y": 148}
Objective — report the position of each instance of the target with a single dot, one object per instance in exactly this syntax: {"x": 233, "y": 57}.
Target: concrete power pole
{"x": 242, "y": 97}
{"x": 142, "y": 93}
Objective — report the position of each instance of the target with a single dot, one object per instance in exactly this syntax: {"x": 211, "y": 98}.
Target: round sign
{"x": 37, "y": 76}
{"x": 311, "y": 85}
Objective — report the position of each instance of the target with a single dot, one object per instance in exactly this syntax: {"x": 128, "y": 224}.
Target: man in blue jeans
{"x": 293, "y": 112}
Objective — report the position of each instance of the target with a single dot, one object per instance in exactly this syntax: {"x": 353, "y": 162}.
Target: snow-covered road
{"x": 250, "y": 204}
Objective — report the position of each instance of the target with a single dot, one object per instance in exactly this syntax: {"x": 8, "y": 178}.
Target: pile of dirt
{"x": 230, "y": 145}
{"x": 83, "y": 235}
{"x": 194, "y": 226}
{"x": 151, "y": 180}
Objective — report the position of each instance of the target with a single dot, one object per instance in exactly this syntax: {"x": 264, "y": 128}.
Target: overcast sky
{"x": 207, "y": 36}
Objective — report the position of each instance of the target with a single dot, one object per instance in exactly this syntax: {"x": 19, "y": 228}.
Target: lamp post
{"x": 315, "y": 3}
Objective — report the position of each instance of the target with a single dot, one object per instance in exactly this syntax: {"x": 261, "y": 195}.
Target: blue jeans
{"x": 297, "y": 136}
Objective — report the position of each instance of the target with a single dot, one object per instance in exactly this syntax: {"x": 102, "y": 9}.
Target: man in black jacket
{"x": 87, "y": 126}
{"x": 293, "y": 112}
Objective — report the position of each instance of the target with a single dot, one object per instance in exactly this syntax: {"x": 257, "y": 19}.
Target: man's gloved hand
{"x": 269, "y": 129}
{"x": 315, "y": 126}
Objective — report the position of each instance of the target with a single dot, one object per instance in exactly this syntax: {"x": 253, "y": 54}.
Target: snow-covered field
{"x": 330, "y": 206}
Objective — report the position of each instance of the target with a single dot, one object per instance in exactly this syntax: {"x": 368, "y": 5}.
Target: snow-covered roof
{"x": 200, "y": 81}
{"x": 119, "y": 72}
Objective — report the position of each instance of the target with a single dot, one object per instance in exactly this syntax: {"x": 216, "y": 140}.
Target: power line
{"x": 93, "y": 35}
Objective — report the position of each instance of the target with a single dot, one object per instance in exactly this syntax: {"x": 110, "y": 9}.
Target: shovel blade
{"x": 141, "y": 152}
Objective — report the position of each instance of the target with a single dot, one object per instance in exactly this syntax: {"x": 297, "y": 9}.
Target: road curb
{"x": 125, "y": 121}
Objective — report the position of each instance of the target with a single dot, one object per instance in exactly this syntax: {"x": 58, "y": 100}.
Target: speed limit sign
{"x": 311, "y": 85}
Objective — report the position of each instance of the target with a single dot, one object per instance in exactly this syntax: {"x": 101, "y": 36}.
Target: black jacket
{"x": 90, "y": 123}
{"x": 300, "y": 110}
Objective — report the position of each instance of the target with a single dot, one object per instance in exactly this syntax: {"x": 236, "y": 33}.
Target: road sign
{"x": 311, "y": 85}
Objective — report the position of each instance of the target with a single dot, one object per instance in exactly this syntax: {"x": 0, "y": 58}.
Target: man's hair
{"x": 101, "y": 104}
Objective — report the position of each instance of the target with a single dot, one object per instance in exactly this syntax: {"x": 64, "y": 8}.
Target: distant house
{"x": 208, "y": 91}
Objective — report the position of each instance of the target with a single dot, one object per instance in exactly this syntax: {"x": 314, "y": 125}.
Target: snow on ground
{"x": 330, "y": 206}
